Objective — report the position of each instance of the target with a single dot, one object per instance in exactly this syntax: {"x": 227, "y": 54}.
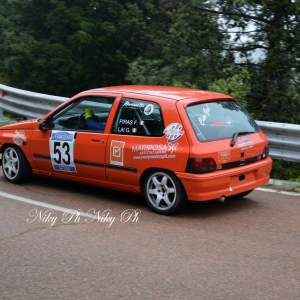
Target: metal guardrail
{"x": 27, "y": 104}
{"x": 284, "y": 138}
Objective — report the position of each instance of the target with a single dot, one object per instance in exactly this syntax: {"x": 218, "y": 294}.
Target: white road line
{"x": 278, "y": 192}
{"x": 42, "y": 204}
{"x": 64, "y": 209}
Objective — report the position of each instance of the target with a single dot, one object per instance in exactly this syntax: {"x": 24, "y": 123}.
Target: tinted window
{"x": 138, "y": 117}
{"x": 219, "y": 120}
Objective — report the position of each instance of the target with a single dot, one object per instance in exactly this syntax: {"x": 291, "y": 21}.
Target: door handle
{"x": 95, "y": 138}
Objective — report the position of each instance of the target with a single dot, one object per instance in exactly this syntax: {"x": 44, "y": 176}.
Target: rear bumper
{"x": 211, "y": 186}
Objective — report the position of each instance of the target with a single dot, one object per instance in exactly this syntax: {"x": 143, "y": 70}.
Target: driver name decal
{"x": 62, "y": 150}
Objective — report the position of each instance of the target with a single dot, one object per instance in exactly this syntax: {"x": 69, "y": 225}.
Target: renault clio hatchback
{"x": 173, "y": 145}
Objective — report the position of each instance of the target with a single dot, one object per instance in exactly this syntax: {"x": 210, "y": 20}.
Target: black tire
{"x": 15, "y": 166}
{"x": 164, "y": 192}
{"x": 241, "y": 194}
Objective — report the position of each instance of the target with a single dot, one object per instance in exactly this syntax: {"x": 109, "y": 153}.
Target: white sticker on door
{"x": 62, "y": 150}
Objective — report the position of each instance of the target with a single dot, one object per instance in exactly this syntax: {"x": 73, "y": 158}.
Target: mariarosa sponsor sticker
{"x": 174, "y": 132}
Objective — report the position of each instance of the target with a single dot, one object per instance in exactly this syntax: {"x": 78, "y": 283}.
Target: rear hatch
{"x": 226, "y": 137}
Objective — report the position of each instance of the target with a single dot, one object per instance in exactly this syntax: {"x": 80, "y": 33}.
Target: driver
{"x": 91, "y": 123}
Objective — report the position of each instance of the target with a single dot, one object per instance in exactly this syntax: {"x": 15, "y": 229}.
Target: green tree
{"x": 264, "y": 38}
{"x": 63, "y": 47}
{"x": 185, "y": 48}
{"x": 237, "y": 86}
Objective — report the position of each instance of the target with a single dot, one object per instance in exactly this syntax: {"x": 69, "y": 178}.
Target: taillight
{"x": 200, "y": 165}
{"x": 266, "y": 151}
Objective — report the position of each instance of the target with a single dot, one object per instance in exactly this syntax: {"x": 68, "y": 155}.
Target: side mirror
{"x": 44, "y": 125}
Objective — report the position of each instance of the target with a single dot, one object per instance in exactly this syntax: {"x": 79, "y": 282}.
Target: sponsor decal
{"x": 202, "y": 120}
{"x": 222, "y": 123}
{"x": 155, "y": 156}
{"x": 148, "y": 109}
{"x": 62, "y": 150}
{"x": 160, "y": 151}
{"x": 244, "y": 143}
{"x": 173, "y": 132}
{"x": 224, "y": 156}
{"x": 19, "y": 138}
{"x": 155, "y": 151}
{"x": 218, "y": 124}
{"x": 146, "y": 149}
{"x": 172, "y": 147}
{"x": 117, "y": 152}
{"x": 206, "y": 111}
{"x": 134, "y": 104}
{"x": 62, "y": 136}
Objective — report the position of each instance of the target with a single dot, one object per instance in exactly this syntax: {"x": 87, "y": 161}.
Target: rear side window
{"x": 138, "y": 117}
{"x": 220, "y": 120}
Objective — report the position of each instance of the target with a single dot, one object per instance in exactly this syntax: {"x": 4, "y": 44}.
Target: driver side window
{"x": 72, "y": 117}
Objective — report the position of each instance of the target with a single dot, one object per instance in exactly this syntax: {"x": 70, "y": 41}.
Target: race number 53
{"x": 62, "y": 150}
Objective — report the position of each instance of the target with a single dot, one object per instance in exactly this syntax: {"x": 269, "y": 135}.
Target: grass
{"x": 11, "y": 118}
{"x": 295, "y": 189}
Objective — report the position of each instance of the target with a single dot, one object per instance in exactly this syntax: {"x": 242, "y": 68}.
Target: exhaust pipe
{"x": 222, "y": 199}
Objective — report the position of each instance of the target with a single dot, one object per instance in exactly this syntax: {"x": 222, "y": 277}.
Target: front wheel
{"x": 15, "y": 165}
{"x": 164, "y": 193}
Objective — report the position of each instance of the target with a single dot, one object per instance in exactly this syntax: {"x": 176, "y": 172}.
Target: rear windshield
{"x": 219, "y": 120}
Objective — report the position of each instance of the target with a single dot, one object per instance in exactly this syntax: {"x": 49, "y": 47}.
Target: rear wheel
{"x": 164, "y": 193}
{"x": 15, "y": 166}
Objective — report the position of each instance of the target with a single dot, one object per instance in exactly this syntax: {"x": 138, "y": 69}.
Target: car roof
{"x": 174, "y": 93}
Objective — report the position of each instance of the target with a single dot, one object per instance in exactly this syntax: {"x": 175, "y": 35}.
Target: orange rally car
{"x": 171, "y": 144}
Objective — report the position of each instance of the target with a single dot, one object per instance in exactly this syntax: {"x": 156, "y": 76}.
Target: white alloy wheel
{"x": 15, "y": 165}
{"x": 164, "y": 192}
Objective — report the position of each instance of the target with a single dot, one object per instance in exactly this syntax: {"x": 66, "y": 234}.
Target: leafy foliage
{"x": 187, "y": 49}
{"x": 237, "y": 86}
{"x": 286, "y": 170}
{"x": 264, "y": 36}
{"x": 63, "y": 47}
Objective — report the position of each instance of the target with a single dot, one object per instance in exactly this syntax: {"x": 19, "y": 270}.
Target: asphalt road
{"x": 245, "y": 249}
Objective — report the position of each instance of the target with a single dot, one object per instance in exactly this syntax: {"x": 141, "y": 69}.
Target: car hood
{"x": 28, "y": 124}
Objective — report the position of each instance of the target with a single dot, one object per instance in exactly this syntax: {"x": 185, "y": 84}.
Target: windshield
{"x": 220, "y": 120}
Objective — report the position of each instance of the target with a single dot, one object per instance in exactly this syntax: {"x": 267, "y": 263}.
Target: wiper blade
{"x": 236, "y": 134}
